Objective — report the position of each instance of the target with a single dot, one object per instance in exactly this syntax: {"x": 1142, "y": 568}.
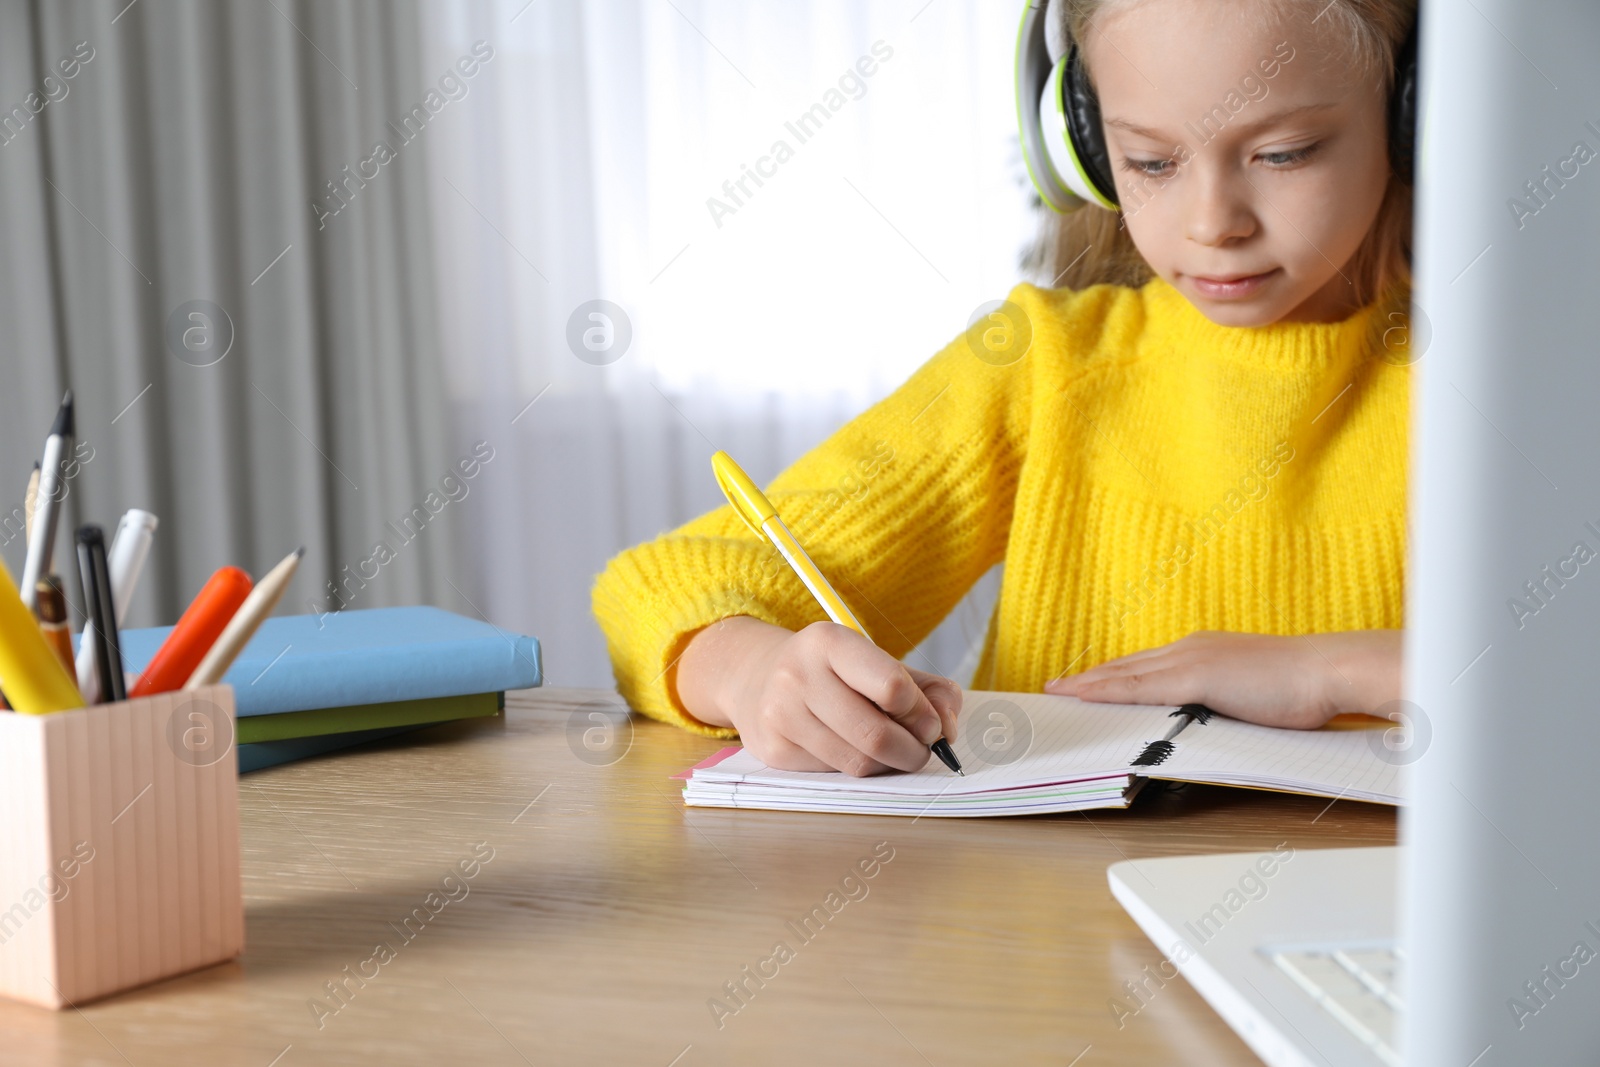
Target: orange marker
{"x": 195, "y": 633}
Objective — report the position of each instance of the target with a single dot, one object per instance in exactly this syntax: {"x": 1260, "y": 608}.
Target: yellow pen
{"x": 34, "y": 680}
{"x": 757, "y": 512}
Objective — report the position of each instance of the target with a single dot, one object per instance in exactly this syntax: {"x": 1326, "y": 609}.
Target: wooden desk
{"x": 610, "y": 914}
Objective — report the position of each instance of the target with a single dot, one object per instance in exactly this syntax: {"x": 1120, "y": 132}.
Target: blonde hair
{"x": 1088, "y": 245}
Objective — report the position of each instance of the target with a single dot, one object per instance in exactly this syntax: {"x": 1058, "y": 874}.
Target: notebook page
{"x": 1071, "y": 740}
{"x": 1338, "y": 760}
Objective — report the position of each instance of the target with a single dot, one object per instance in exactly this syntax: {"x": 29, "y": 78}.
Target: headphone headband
{"x": 1063, "y": 142}
{"x": 1035, "y": 72}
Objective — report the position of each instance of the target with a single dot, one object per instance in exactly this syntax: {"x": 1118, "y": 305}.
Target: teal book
{"x": 311, "y": 684}
{"x": 342, "y": 659}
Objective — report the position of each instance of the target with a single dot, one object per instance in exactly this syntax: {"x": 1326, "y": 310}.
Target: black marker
{"x": 102, "y": 625}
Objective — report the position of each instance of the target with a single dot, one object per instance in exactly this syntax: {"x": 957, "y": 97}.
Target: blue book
{"x": 371, "y": 656}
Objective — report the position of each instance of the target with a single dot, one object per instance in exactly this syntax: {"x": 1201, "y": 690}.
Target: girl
{"x": 1194, "y": 471}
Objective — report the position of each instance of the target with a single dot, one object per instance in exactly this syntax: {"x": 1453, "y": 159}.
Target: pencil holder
{"x": 119, "y": 845}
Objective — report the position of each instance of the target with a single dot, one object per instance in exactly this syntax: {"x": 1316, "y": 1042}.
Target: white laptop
{"x": 1476, "y": 943}
{"x": 1295, "y": 949}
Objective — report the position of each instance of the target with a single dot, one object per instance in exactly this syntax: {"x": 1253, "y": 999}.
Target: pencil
{"x": 30, "y": 502}
{"x": 256, "y": 607}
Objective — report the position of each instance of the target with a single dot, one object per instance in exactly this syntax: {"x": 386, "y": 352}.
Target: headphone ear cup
{"x": 1052, "y": 123}
{"x": 1403, "y": 110}
{"x": 1082, "y": 110}
{"x": 1066, "y": 167}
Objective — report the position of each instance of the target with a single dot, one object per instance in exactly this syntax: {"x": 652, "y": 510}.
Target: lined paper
{"x": 1336, "y": 761}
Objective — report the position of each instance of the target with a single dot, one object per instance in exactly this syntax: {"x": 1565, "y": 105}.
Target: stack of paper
{"x": 1064, "y": 754}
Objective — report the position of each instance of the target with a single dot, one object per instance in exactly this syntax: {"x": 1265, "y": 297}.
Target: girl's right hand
{"x": 826, "y": 698}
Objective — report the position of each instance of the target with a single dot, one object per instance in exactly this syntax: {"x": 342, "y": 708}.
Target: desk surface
{"x": 610, "y": 915}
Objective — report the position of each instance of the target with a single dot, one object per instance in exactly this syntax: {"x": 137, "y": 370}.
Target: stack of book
{"x": 307, "y": 684}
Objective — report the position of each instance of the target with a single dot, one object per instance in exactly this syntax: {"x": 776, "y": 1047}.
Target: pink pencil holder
{"x": 119, "y": 845}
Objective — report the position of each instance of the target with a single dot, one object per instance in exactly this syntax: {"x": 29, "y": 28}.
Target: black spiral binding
{"x": 1158, "y": 752}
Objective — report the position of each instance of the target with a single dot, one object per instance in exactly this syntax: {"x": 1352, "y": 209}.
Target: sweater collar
{"x": 1285, "y": 344}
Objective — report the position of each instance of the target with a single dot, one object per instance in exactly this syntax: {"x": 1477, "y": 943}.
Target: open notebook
{"x": 1031, "y": 752}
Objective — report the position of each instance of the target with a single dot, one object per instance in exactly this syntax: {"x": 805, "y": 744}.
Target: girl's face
{"x": 1249, "y": 162}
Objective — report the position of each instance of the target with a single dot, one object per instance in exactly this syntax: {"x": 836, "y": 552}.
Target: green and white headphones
{"x": 1058, "y": 114}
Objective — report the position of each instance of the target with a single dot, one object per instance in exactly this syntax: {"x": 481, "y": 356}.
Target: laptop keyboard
{"x": 1356, "y": 984}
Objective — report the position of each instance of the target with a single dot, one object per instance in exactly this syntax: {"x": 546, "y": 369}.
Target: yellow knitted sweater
{"x": 1142, "y": 472}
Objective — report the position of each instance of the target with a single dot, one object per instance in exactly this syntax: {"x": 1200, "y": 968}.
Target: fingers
{"x": 848, "y": 735}
{"x": 1067, "y": 683}
{"x": 1144, "y": 662}
{"x": 1073, "y": 684}
{"x": 860, "y": 722}
{"x": 832, "y": 700}
{"x": 1132, "y": 657}
{"x": 785, "y": 755}
{"x": 1265, "y": 678}
{"x": 1067, "y": 686}
{"x": 945, "y": 696}
{"x": 1168, "y": 685}
{"x": 1199, "y": 639}
{"x": 880, "y": 678}
{"x": 787, "y": 734}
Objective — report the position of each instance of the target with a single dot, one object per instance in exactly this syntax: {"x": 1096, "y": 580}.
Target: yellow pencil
{"x": 33, "y": 678}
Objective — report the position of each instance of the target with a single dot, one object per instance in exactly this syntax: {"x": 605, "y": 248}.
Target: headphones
{"x": 1058, "y": 114}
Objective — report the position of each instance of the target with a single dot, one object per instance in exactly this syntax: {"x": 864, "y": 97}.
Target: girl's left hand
{"x": 1299, "y": 681}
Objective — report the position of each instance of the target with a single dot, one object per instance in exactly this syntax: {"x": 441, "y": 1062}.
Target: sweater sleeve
{"x": 903, "y": 509}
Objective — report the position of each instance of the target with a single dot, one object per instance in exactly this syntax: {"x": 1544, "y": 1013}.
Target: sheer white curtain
{"x": 578, "y": 166}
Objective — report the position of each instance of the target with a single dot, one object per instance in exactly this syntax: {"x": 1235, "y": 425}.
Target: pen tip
{"x": 301, "y": 551}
